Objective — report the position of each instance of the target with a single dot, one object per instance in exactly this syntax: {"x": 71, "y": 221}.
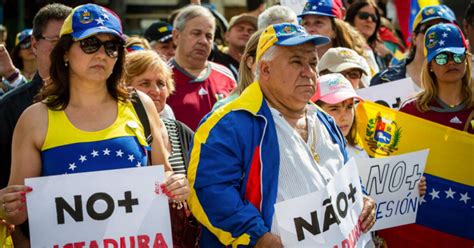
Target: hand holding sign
{"x": 367, "y": 217}
{"x": 269, "y": 240}
{"x": 12, "y": 200}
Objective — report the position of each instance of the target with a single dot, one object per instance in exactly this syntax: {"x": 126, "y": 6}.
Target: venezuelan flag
{"x": 406, "y": 12}
{"x": 446, "y": 213}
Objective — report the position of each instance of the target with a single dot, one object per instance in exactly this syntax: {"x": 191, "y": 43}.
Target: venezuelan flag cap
{"x": 429, "y": 13}
{"x": 286, "y": 34}
{"x": 23, "y": 35}
{"x": 90, "y": 19}
{"x": 330, "y": 8}
{"x": 444, "y": 38}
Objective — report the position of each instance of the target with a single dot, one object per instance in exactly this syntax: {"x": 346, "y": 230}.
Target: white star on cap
{"x": 100, "y": 21}
{"x": 445, "y": 35}
{"x": 131, "y": 157}
{"x": 139, "y": 164}
{"x": 106, "y": 151}
{"x": 119, "y": 153}
{"x": 441, "y": 42}
{"x": 464, "y": 198}
{"x": 320, "y": 3}
{"x": 106, "y": 17}
{"x": 314, "y": 7}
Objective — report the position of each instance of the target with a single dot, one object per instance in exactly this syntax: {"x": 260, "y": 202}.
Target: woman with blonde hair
{"x": 448, "y": 91}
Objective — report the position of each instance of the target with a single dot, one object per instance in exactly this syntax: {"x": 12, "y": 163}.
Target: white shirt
{"x": 299, "y": 174}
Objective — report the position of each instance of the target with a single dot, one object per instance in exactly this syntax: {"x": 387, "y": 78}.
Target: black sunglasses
{"x": 443, "y": 58}
{"x": 365, "y": 15}
{"x": 355, "y": 74}
{"x": 92, "y": 44}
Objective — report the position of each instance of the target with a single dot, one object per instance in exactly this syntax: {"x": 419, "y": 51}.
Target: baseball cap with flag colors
{"x": 429, "y": 13}
{"x": 330, "y": 8}
{"x": 335, "y": 88}
{"x": 286, "y": 34}
{"x": 23, "y": 35}
{"x": 90, "y": 19}
{"x": 444, "y": 38}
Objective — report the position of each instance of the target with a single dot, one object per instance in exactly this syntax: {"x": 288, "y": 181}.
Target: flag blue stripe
{"x": 449, "y": 207}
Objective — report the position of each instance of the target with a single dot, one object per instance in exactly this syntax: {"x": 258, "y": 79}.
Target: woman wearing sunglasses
{"x": 85, "y": 120}
{"x": 365, "y": 17}
{"x": 22, "y": 54}
{"x": 448, "y": 91}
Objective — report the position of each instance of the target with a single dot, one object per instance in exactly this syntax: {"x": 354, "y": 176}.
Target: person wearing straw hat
{"x": 266, "y": 146}
{"x": 84, "y": 120}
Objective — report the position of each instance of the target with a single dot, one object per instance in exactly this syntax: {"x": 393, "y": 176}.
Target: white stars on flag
{"x": 106, "y": 152}
{"x": 450, "y": 193}
{"x": 94, "y": 153}
{"x": 72, "y": 166}
{"x": 131, "y": 157}
{"x": 119, "y": 153}
{"x": 464, "y": 197}
{"x": 139, "y": 164}
{"x": 434, "y": 194}
{"x": 83, "y": 158}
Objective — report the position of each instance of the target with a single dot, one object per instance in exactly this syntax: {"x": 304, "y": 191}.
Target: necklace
{"x": 314, "y": 153}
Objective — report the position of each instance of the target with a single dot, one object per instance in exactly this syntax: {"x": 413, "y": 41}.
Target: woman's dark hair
{"x": 15, "y": 54}
{"x": 354, "y": 10}
{"x": 56, "y": 93}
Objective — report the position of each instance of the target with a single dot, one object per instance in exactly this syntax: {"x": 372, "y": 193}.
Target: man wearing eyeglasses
{"x": 46, "y": 26}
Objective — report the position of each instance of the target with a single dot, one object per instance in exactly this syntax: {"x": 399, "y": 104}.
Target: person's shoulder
{"x": 393, "y": 73}
{"x": 409, "y": 105}
{"x": 24, "y": 92}
{"x": 222, "y": 70}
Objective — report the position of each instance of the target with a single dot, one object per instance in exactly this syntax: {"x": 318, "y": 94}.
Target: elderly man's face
{"x": 290, "y": 76}
{"x": 195, "y": 40}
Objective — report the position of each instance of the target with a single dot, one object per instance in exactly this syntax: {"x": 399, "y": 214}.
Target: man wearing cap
{"x": 199, "y": 83}
{"x": 241, "y": 27}
{"x": 412, "y": 64}
{"x": 267, "y": 146}
{"x": 347, "y": 62}
{"x": 160, "y": 36}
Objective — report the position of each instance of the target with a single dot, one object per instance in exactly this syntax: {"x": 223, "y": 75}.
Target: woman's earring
{"x": 66, "y": 63}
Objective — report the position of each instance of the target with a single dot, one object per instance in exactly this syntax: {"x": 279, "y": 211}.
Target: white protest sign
{"x": 393, "y": 183}
{"x": 296, "y": 5}
{"x": 391, "y": 94}
{"x": 113, "y": 208}
{"x": 326, "y": 218}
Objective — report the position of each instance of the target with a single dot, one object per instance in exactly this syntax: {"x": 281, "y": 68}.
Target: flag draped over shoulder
{"x": 406, "y": 12}
{"x": 446, "y": 214}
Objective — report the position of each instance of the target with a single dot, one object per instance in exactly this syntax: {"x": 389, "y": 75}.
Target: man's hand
{"x": 367, "y": 217}
{"x": 6, "y": 65}
{"x": 422, "y": 186}
{"x": 269, "y": 240}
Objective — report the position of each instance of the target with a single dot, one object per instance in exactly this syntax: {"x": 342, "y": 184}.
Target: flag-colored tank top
{"x": 67, "y": 149}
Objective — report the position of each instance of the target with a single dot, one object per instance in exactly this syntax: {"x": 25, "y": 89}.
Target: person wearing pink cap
{"x": 337, "y": 97}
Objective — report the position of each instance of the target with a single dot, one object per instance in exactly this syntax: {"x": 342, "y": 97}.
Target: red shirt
{"x": 194, "y": 97}
{"x": 442, "y": 113}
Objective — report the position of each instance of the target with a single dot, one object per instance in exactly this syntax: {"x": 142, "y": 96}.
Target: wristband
{"x": 13, "y": 76}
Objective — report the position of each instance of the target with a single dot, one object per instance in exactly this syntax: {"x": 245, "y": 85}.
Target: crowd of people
{"x": 264, "y": 117}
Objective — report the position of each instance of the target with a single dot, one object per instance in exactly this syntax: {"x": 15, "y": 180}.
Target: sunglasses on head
{"x": 443, "y": 58}
{"x": 25, "y": 45}
{"x": 365, "y": 15}
{"x": 92, "y": 45}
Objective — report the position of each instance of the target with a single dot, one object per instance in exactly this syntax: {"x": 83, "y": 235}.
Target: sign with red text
{"x": 326, "y": 218}
{"x": 391, "y": 94}
{"x": 393, "y": 183}
{"x": 114, "y": 208}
